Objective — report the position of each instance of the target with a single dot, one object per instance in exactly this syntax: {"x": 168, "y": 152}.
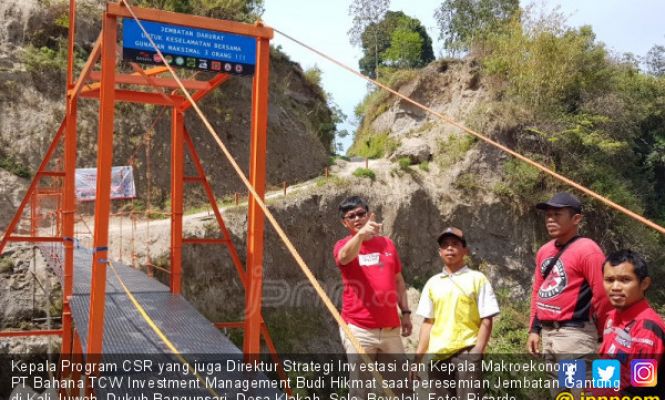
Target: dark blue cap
{"x": 561, "y": 200}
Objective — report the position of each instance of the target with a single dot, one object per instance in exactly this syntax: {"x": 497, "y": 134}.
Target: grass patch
{"x": 397, "y": 78}
{"x": 365, "y": 173}
{"x": 6, "y": 265}
{"x": 139, "y": 207}
{"x": 43, "y": 59}
{"x": 198, "y": 209}
{"x": 424, "y": 166}
{"x": 372, "y": 106}
{"x": 331, "y": 180}
{"x": 373, "y": 145}
{"x": 453, "y": 149}
{"x": 520, "y": 181}
{"x": 426, "y": 127}
{"x": 378, "y": 101}
{"x": 468, "y": 183}
{"x": 10, "y": 164}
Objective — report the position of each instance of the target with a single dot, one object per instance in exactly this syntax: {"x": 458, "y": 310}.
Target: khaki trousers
{"x": 568, "y": 343}
{"x": 382, "y": 345}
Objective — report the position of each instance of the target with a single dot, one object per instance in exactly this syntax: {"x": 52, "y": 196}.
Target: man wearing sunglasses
{"x": 373, "y": 285}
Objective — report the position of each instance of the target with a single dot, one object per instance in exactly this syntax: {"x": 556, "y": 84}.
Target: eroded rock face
{"x": 416, "y": 150}
{"x": 413, "y": 208}
{"x": 30, "y": 298}
{"x": 29, "y": 289}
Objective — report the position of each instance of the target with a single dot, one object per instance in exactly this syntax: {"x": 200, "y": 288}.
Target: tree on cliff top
{"x": 399, "y": 40}
{"x": 364, "y": 29}
{"x": 463, "y": 21}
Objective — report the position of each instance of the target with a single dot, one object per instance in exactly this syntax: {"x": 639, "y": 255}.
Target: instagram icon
{"x": 644, "y": 373}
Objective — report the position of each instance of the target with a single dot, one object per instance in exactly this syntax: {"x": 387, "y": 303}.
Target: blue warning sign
{"x": 186, "y": 47}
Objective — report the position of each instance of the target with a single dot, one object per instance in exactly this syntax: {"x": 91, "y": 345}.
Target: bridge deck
{"x": 128, "y": 336}
{"x": 126, "y": 331}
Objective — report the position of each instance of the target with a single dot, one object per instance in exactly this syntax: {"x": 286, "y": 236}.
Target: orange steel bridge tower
{"x": 109, "y": 86}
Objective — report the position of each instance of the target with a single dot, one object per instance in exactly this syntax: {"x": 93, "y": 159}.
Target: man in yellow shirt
{"x": 458, "y": 305}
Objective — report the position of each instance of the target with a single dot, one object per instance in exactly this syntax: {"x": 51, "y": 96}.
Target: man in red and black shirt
{"x": 634, "y": 333}
{"x": 568, "y": 293}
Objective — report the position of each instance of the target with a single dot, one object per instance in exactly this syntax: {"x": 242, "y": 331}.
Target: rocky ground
{"x": 31, "y": 298}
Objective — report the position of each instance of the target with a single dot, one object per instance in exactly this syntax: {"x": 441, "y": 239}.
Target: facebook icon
{"x": 572, "y": 374}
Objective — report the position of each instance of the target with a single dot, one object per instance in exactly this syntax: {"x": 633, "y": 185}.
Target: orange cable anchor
{"x": 484, "y": 138}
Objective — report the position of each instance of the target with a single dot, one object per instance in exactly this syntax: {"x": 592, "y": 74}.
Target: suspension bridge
{"x": 110, "y": 308}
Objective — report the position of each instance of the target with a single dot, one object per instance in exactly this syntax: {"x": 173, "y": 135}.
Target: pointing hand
{"x": 371, "y": 228}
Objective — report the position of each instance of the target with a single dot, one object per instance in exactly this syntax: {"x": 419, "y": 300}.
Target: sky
{"x": 624, "y": 26}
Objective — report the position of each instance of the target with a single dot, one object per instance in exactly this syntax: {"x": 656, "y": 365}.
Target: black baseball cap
{"x": 561, "y": 200}
{"x": 454, "y": 232}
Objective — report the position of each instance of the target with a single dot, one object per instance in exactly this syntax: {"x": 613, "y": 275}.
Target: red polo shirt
{"x": 370, "y": 291}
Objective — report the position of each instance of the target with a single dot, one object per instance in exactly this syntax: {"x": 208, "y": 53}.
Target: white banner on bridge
{"x": 122, "y": 183}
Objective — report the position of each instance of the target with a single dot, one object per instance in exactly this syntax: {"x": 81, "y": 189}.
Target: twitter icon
{"x": 606, "y": 373}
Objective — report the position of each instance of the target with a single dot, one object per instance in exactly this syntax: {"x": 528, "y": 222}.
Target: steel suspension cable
{"x": 486, "y": 139}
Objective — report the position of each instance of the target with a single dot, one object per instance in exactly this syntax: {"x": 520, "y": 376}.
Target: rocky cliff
{"x": 32, "y": 62}
{"x": 431, "y": 176}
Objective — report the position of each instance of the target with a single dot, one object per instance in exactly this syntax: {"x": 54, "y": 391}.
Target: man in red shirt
{"x": 634, "y": 333}
{"x": 568, "y": 292}
{"x": 373, "y": 285}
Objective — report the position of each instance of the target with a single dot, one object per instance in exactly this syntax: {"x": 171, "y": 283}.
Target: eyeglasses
{"x": 359, "y": 214}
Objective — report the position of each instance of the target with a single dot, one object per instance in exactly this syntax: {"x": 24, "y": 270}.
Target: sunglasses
{"x": 359, "y": 214}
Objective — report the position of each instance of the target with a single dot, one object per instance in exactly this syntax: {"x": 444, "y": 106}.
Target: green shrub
{"x": 45, "y": 59}
{"x": 365, "y": 173}
{"x": 404, "y": 163}
{"x": 424, "y": 166}
{"x": 313, "y": 77}
{"x": 547, "y": 66}
{"x": 522, "y": 180}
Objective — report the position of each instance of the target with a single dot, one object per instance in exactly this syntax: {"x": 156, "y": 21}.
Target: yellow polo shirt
{"x": 457, "y": 303}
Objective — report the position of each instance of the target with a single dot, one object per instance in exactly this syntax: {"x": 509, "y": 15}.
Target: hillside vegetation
{"x": 557, "y": 95}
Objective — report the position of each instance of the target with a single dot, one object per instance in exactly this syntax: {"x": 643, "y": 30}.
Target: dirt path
{"x": 135, "y": 241}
